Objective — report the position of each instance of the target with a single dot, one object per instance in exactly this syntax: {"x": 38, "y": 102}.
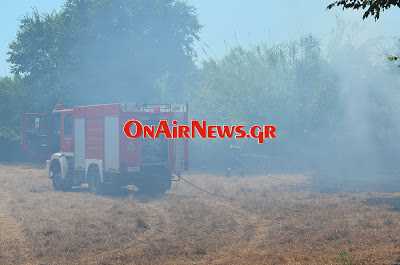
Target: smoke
{"x": 335, "y": 105}
{"x": 368, "y": 118}
{"x": 126, "y": 51}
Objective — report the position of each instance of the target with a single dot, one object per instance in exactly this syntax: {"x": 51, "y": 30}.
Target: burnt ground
{"x": 264, "y": 221}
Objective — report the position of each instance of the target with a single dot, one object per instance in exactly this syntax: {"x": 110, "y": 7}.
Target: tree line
{"x": 116, "y": 51}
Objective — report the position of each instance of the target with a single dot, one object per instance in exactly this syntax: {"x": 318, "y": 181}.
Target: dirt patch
{"x": 265, "y": 221}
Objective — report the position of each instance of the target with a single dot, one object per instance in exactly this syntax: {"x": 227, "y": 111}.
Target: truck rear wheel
{"x": 94, "y": 182}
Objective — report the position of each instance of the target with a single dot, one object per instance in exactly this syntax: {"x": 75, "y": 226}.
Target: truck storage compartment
{"x": 154, "y": 151}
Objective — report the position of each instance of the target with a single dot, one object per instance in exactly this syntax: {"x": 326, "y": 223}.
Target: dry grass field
{"x": 266, "y": 222}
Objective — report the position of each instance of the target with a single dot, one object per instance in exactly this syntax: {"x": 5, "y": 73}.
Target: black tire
{"x": 94, "y": 182}
{"x": 58, "y": 182}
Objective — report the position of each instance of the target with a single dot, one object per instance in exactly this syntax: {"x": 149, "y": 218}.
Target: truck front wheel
{"x": 58, "y": 182}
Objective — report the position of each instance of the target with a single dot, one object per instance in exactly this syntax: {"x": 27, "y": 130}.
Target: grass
{"x": 265, "y": 222}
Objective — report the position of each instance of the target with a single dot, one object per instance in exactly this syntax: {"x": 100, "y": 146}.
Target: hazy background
{"x": 232, "y": 22}
{"x": 321, "y": 77}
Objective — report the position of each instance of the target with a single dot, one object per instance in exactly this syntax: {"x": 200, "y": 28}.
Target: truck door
{"x": 66, "y": 144}
{"x": 55, "y": 132}
{"x": 35, "y": 138}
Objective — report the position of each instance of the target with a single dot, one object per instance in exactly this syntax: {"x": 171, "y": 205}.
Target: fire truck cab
{"x": 87, "y": 144}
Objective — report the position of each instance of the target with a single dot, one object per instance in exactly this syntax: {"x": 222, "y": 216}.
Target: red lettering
{"x": 240, "y": 130}
{"x": 163, "y": 128}
{"x": 269, "y": 131}
{"x": 127, "y": 129}
{"x": 260, "y": 134}
{"x": 226, "y": 131}
{"x": 183, "y": 130}
{"x": 210, "y": 131}
{"x": 202, "y": 130}
{"x": 148, "y": 130}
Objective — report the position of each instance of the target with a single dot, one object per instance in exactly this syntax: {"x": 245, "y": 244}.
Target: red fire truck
{"x": 87, "y": 144}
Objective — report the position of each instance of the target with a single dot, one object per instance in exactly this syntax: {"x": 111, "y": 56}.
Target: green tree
{"x": 288, "y": 85}
{"x": 102, "y": 51}
{"x": 374, "y": 8}
{"x": 12, "y": 103}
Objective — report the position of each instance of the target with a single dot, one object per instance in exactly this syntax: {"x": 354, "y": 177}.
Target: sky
{"x": 227, "y": 23}
{"x": 231, "y": 22}
{"x": 10, "y": 14}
